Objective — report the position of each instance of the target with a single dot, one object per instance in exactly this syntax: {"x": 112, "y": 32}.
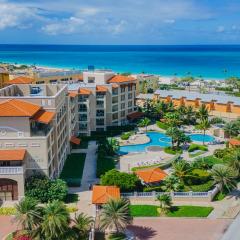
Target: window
{"x": 129, "y": 95}
{"x": 129, "y": 87}
{"x": 115, "y": 116}
{"x": 20, "y": 134}
{"x": 91, "y": 79}
{"x": 83, "y": 117}
{"x": 130, "y": 104}
{"x": 100, "y": 122}
{"x": 115, "y": 91}
{"x": 100, "y": 113}
{"x": 115, "y": 108}
{"x": 122, "y": 105}
{"x": 122, "y": 113}
{"x": 49, "y": 102}
{"x": 43, "y": 102}
{"x": 123, "y": 98}
{"x": 82, "y": 107}
{"x": 122, "y": 89}
{"x": 100, "y": 103}
{"x": 53, "y": 81}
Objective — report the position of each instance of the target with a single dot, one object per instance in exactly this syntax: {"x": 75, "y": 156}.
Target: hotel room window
{"x": 91, "y": 79}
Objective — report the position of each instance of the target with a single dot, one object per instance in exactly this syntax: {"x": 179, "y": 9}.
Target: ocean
{"x": 207, "y": 61}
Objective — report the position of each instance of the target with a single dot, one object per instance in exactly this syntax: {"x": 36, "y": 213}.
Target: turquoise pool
{"x": 201, "y": 137}
{"x": 160, "y": 139}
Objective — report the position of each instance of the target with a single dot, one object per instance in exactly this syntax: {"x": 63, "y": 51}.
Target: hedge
{"x": 162, "y": 125}
{"x": 194, "y": 147}
{"x": 169, "y": 150}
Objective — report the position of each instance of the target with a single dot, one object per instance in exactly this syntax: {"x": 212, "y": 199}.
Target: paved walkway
{"x": 88, "y": 177}
{"x": 7, "y": 226}
{"x": 233, "y": 232}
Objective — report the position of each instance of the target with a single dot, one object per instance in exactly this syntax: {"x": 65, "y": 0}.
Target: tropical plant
{"x": 203, "y": 112}
{"x": 111, "y": 146}
{"x": 232, "y": 128}
{"x": 190, "y": 115}
{"x": 172, "y": 183}
{"x": 234, "y": 82}
{"x": 234, "y": 162}
{"x": 125, "y": 181}
{"x": 165, "y": 202}
{"x": 144, "y": 123}
{"x": 182, "y": 169}
{"x": 115, "y": 215}
{"x": 55, "y": 222}
{"x": 204, "y": 125}
{"x": 224, "y": 176}
{"x": 173, "y": 119}
{"x": 43, "y": 189}
{"x": 82, "y": 225}
{"x": 28, "y": 214}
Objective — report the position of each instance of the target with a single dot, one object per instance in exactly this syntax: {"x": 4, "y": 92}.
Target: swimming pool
{"x": 159, "y": 139}
{"x": 201, "y": 137}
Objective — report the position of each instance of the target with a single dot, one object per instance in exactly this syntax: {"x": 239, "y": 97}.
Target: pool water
{"x": 159, "y": 139}
{"x": 201, "y": 137}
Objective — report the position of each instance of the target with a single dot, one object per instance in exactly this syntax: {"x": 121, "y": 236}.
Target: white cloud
{"x": 89, "y": 11}
{"x": 119, "y": 27}
{"x": 220, "y": 29}
{"x": 65, "y": 26}
{"x": 14, "y": 15}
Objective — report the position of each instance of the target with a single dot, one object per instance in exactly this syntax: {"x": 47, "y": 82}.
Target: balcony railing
{"x": 11, "y": 170}
{"x": 40, "y": 132}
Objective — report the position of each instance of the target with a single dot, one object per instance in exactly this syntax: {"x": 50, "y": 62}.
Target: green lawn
{"x": 176, "y": 211}
{"x": 144, "y": 211}
{"x": 189, "y": 211}
{"x": 73, "y": 169}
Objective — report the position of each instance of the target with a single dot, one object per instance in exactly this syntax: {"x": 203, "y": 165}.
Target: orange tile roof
{"x": 151, "y": 175}
{"x": 101, "y": 194}
{"x": 44, "y": 116}
{"x": 21, "y": 80}
{"x": 18, "y": 108}
{"x": 234, "y": 142}
{"x": 75, "y": 140}
{"x": 135, "y": 115}
{"x": 72, "y": 94}
{"x": 80, "y": 78}
{"x": 121, "y": 79}
{"x": 84, "y": 91}
{"x": 101, "y": 88}
{"x": 12, "y": 155}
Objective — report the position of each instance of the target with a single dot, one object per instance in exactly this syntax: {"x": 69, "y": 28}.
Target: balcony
{"x": 100, "y": 96}
{"x": 11, "y": 170}
{"x": 40, "y": 129}
{"x": 82, "y": 109}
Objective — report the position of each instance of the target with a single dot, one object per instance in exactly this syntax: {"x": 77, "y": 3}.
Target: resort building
{"x": 4, "y": 77}
{"x": 103, "y": 99}
{"x": 34, "y": 134}
{"x": 224, "y": 106}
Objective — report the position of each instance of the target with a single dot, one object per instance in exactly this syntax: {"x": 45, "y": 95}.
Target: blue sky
{"x": 120, "y": 21}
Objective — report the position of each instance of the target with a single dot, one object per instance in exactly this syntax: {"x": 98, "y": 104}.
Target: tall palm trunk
{"x": 204, "y": 133}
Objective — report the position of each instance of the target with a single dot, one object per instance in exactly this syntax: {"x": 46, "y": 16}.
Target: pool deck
{"x": 134, "y": 139}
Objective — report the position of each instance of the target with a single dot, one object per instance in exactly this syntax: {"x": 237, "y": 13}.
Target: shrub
{"x": 162, "y": 125}
{"x": 44, "y": 189}
{"x": 198, "y": 176}
{"x": 155, "y": 188}
{"x": 193, "y": 147}
{"x": 216, "y": 120}
{"x": 205, "y": 187}
{"x": 172, "y": 151}
{"x": 7, "y": 210}
{"x": 71, "y": 209}
{"x": 222, "y": 153}
{"x": 125, "y": 181}
{"x": 126, "y": 136}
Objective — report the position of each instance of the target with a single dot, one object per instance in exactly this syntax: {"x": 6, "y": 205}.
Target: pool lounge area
{"x": 160, "y": 140}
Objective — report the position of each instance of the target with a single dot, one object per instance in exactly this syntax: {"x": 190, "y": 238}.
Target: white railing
{"x": 210, "y": 194}
{"x": 11, "y": 170}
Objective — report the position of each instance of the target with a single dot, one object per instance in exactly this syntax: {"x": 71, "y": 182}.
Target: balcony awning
{"x": 135, "y": 115}
{"x": 43, "y": 116}
{"x": 101, "y": 88}
{"x": 12, "y": 155}
{"x": 84, "y": 91}
{"x": 75, "y": 140}
{"x": 72, "y": 94}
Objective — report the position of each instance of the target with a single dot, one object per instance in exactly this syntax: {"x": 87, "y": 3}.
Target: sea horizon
{"x": 205, "y": 60}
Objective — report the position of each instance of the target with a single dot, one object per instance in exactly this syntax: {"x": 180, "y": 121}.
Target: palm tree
{"x": 234, "y": 162}
{"x": 171, "y": 183}
{"x": 82, "y": 225}
{"x": 232, "y": 129}
{"x": 204, "y": 125}
{"x": 55, "y": 221}
{"x": 173, "y": 119}
{"x": 224, "y": 176}
{"x": 144, "y": 123}
{"x": 182, "y": 169}
{"x": 28, "y": 214}
{"x": 190, "y": 115}
{"x": 165, "y": 202}
{"x": 115, "y": 215}
{"x": 203, "y": 112}
{"x": 112, "y": 145}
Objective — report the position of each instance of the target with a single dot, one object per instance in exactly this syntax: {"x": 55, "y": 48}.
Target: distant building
{"x": 4, "y": 77}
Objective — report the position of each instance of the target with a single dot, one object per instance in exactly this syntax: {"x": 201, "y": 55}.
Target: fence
{"x": 175, "y": 195}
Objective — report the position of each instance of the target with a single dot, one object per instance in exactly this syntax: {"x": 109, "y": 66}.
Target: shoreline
{"x": 58, "y": 68}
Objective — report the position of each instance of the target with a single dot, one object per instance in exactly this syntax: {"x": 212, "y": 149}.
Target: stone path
{"x": 88, "y": 177}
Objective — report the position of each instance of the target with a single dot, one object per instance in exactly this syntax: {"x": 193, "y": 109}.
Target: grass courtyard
{"x": 175, "y": 211}
{"x": 73, "y": 169}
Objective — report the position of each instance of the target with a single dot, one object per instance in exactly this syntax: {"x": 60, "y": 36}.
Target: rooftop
{"x": 21, "y": 80}
{"x": 151, "y": 175}
{"x": 121, "y": 79}
{"x": 18, "y": 108}
{"x": 205, "y": 97}
{"x": 101, "y": 194}
{"x": 12, "y": 155}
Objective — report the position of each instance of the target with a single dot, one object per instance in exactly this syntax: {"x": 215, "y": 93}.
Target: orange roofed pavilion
{"x": 21, "y": 80}
{"x": 151, "y": 175}
{"x": 101, "y": 194}
{"x": 233, "y": 142}
{"x": 12, "y": 155}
